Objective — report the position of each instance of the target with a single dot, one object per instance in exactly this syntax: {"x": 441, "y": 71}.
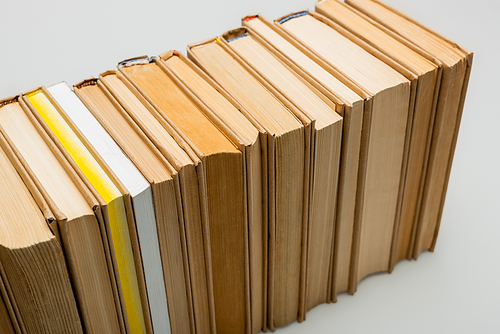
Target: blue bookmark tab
{"x": 292, "y": 16}
{"x": 233, "y": 39}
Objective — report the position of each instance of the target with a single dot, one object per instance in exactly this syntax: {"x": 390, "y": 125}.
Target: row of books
{"x": 232, "y": 190}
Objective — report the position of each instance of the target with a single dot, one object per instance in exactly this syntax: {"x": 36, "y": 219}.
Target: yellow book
{"x": 110, "y": 193}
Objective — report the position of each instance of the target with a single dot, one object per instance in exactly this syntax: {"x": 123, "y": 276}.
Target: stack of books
{"x": 232, "y": 190}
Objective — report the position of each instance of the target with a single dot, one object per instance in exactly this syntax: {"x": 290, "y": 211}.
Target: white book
{"x": 140, "y": 191}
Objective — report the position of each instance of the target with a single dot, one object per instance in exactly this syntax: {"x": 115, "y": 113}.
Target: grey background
{"x": 456, "y": 289}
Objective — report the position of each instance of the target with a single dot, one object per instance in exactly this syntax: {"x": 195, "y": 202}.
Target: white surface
{"x": 454, "y": 290}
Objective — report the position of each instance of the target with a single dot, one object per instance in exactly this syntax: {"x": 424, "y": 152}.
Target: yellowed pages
{"x": 147, "y": 159}
{"x": 340, "y": 89}
{"x": 32, "y": 262}
{"x": 382, "y": 142}
{"x": 224, "y": 188}
{"x": 188, "y": 191}
{"x": 77, "y": 225}
{"x": 457, "y": 63}
{"x": 286, "y": 161}
{"x": 325, "y": 170}
{"x": 420, "y": 133}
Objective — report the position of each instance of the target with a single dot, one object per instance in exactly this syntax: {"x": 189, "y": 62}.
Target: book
{"x": 456, "y": 62}
{"x": 192, "y": 224}
{"x": 225, "y": 193}
{"x": 325, "y": 156}
{"x": 78, "y": 219}
{"x": 424, "y": 75}
{"x": 252, "y": 139}
{"x": 32, "y": 264}
{"x": 336, "y": 87}
{"x": 141, "y": 196}
{"x": 118, "y": 208}
{"x": 289, "y": 159}
{"x": 383, "y": 136}
{"x": 159, "y": 173}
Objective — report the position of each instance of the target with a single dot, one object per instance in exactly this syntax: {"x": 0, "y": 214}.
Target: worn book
{"x": 253, "y": 141}
{"x": 289, "y": 161}
{"x": 340, "y": 89}
{"x": 190, "y": 191}
{"x": 382, "y": 140}
{"x": 456, "y": 62}
{"x": 325, "y": 155}
{"x": 118, "y": 211}
{"x": 78, "y": 217}
{"x": 224, "y": 184}
{"x": 424, "y": 75}
{"x": 160, "y": 174}
{"x": 34, "y": 278}
{"x": 196, "y": 208}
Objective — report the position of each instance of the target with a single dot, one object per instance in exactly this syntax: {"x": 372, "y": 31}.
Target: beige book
{"x": 254, "y": 140}
{"x": 34, "y": 276}
{"x": 289, "y": 162}
{"x": 456, "y": 62}
{"x": 78, "y": 216}
{"x": 225, "y": 189}
{"x": 339, "y": 89}
{"x": 188, "y": 170}
{"x": 425, "y": 77}
{"x": 327, "y": 135}
{"x": 160, "y": 174}
{"x": 383, "y": 136}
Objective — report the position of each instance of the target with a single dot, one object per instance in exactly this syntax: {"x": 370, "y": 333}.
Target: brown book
{"x": 253, "y": 140}
{"x": 190, "y": 175}
{"x": 456, "y": 62}
{"x": 325, "y": 154}
{"x": 160, "y": 174}
{"x": 425, "y": 79}
{"x": 193, "y": 193}
{"x": 188, "y": 169}
{"x": 34, "y": 277}
{"x": 337, "y": 88}
{"x": 289, "y": 161}
{"x": 78, "y": 218}
{"x": 226, "y": 201}
{"x": 383, "y": 136}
